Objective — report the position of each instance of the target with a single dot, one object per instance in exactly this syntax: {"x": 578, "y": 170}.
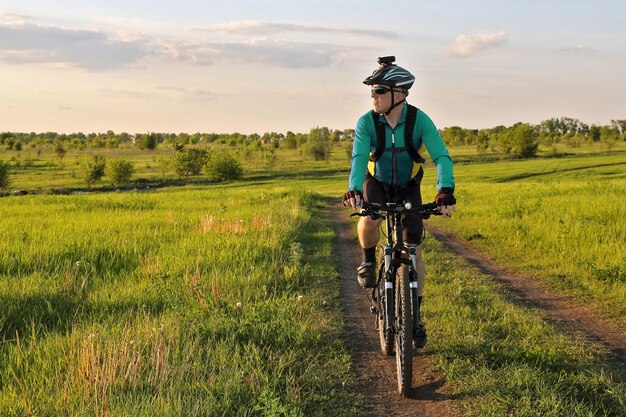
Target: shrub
{"x": 120, "y": 172}
{"x": 59, "y": 150}
{"x": 5, "y": 174}
{"x": 148, "y": 140}
{"x": 93, "y": 169}
{"x": 317, "y": 145}
{"x": 223, "y": 167}
{"x": 190, "y": 161}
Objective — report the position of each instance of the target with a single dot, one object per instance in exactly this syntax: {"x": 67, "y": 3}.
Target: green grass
{"x": 201, "y": 301}
{"x": 503, "y": 359}
{"x": 535, "y": 214}
{"x": 221, "y": 300}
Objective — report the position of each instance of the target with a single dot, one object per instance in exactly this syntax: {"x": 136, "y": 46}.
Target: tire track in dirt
{"x": 376, "y": 373}
{"x": 527, "y": 290}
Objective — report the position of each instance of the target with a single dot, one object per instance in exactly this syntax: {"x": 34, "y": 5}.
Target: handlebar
{"x": 423, "y": 211}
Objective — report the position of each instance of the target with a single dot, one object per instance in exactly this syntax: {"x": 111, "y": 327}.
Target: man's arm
{"x": 437, "y": 151}
{"x": 360, "y": 153}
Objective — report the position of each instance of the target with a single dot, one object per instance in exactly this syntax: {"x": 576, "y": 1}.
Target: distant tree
{"x": 522, "y": 139}
{"x": 348, "y": 149}
{"x": 148, "y": 140}
{"x": 620, "y": 125}
{"x": 609, "y": 136}
{"x": 335, "y": 136}
{"x": 93, "y": 169}
{"x": 594, "y": 133}
{"x": 5, "y": 174}
{"x": 271, "y": 159}
{"x": 120, "y": 172}
{"x": 222, "y": 166}
{"x": 189, "y": 161}
{"x": 482, "y": 141}
{"x": 317, "y": 145}
{"x": 290, "y": 140}
{"x": 59, "y": 150}
{"x": 348, "y": 134}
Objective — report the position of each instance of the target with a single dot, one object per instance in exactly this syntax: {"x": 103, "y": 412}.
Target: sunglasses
{"x": 381, "y": 90}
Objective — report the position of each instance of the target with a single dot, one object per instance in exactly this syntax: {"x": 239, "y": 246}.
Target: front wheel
{"x": 404, "y": 331}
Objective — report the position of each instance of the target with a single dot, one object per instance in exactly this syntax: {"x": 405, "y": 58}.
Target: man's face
{"x": 381, "y": 98}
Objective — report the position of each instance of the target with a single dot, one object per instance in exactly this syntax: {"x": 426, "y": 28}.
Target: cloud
{"x": 189, "y": 94}
{"x": 576, "y": 49}
{"x": 282, "y": 53}
{"x": 24, "y": 42}
{"x": 467, "y": 45}
{"x": 260, "y": 29}
{"x": 160, "y": 92}
{"x": 6, "y": 17}
{"x": 87, "y": 49}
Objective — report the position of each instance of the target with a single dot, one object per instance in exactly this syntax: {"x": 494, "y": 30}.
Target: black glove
{"x": 350, "y": 195}
{"x": 445, "y": 197}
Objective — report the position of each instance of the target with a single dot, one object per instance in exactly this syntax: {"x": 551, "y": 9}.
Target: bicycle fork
{"x": 413, "y": 284}
{"x": 389, "y": 296}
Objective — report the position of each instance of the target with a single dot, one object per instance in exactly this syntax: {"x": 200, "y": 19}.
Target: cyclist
{"x": 391, "y": 171}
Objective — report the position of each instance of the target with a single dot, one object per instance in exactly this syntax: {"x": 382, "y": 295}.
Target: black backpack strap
{"x": 380, "y": 137}
{"x": 411, "y": 116}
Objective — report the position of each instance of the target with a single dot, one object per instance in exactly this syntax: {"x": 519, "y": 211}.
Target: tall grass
{"x": 201, "y": 301}
{"x": 560, "y": 219}
{"x": 503, "y": 359}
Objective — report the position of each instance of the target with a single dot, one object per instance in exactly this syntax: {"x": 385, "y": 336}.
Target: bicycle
{"x": 394, "y": 299}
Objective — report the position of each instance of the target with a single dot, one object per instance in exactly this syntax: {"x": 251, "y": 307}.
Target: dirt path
{"x": 376, "y": 374}
{"x": 527, "y": 290}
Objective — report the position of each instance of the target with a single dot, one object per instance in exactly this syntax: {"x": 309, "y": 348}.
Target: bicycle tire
{"x": 404, "y": 331}
{"x": 384, "y": 334}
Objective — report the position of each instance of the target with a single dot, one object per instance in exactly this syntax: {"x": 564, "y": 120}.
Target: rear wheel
{"x": 384, "y": 333}
{"x": 404, "y": 331}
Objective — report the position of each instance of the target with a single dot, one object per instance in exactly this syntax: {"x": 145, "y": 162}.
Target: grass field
{"x": 558, "y": 218}
{"x": 179, "y": 302}
{"x": 222, "y": 299}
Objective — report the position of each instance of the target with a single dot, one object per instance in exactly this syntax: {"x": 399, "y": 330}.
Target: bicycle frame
{"x": 394, "y": 299}
{"x": 393, "y": 250}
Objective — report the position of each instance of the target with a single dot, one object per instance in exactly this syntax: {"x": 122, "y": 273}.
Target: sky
{"x": 254, "y": 66}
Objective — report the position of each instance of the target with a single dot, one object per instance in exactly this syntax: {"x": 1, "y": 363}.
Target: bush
{"x": 5, "y": 174}
{"x": 190, "y": 161}
{"x": 120, "y": 172}
{"x": 93, "y": 169}
{"x": 521, "y": 139}
{"x": 59, "y": 150}
{"x": 317, "y": 145}
{"x": 224, "y": 167}
{"x": 148, "y": 140}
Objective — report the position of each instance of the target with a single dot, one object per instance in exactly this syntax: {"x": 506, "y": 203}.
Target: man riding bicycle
{"x": 386, "y": 167}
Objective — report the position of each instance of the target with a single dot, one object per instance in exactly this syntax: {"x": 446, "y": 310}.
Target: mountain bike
{"x": 394, "y": 299}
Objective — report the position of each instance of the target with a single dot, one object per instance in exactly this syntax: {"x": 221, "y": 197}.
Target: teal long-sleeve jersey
{"x": 424, "y": 133}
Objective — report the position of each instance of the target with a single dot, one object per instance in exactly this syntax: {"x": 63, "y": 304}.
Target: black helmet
{"x": 390, "y": 74}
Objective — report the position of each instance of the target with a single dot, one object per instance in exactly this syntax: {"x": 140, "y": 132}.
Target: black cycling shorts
{"x": 375, "y": 191}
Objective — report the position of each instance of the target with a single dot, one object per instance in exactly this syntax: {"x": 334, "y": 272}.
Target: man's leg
{"x": 369, "y": 234}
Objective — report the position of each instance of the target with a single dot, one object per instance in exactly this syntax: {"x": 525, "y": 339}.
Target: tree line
{"x": 150, "y": 140}
{"x": 520, "y": 139}
{"x": 523, "y": 139}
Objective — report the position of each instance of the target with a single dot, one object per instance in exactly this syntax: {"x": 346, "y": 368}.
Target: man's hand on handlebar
{"x": 354, "y": 199}
{"x": 445, "y": 199}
